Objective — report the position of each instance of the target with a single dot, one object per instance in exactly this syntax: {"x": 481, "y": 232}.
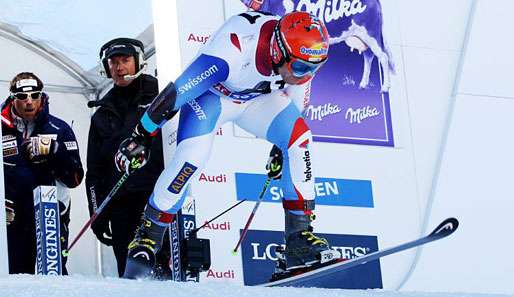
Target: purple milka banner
{"x": 349, "y": 96}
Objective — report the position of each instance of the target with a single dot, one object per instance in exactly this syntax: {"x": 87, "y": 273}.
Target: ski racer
{"x": 254, "y": 71}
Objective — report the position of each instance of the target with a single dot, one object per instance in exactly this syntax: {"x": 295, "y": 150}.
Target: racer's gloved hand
{"x": 134, "y": 151}
{"x": 274, "y": 165}
{"x": 9, "y": 211}
{"x": 102, "y": 229}
{"x": 38, "y": 148}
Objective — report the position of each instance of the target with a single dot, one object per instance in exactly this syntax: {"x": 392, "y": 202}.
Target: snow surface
{"x": 81, "y": 286}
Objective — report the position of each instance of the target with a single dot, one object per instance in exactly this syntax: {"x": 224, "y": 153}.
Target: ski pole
{"x": 250, "y": 218}
{"x": 97, "y": 212}
{"x": 211, "y": 220}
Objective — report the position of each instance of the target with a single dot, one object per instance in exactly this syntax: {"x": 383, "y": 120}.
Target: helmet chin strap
{"x": 283, "y": 59}
{"x": 129, "y": 77}
{"x": 273, "y": 65}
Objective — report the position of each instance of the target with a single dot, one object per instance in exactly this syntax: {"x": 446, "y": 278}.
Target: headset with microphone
{"x": 93, "y": 103}
{"x": 123, "y": 46}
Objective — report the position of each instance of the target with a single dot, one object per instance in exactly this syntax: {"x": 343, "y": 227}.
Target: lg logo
{"x": 266, "y": 253}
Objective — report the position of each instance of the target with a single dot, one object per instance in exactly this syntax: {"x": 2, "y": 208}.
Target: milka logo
{"x": 360, "y": 114}
{"x": 331, "y": 10}
{"x": 321, "y": 111}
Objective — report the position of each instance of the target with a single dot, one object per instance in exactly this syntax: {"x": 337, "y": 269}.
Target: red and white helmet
{"x": 300, "y": 41}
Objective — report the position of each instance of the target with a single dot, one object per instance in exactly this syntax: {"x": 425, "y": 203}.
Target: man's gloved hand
{"x": 38, "y": 148}
{"x": 9, "y": 211}
{"x": 274, "y": 165}
{"x": 134, "y": 151}
{"x": 102, "y": 229}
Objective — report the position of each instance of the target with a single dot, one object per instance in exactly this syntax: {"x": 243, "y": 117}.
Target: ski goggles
{"x": 300, "y": 68}
{"x": 25, "y": 96}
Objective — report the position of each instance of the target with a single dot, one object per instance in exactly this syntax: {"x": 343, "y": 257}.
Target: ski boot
{"x": 162, "y": 270}
{"x": 147, "y": 242}
{"x": 303, "y": 248}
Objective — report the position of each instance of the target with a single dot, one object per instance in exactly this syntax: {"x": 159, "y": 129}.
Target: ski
{"x": 307, "y": 279}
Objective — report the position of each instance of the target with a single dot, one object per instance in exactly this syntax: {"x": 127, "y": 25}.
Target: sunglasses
{"x": 25, "y": 96}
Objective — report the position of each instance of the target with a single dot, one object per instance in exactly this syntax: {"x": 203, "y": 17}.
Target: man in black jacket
{"x": 119, "y": 111}
{"x": 38, "y": 149}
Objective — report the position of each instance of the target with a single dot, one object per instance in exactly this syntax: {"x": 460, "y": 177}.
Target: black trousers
{"x": 123, "y": 227}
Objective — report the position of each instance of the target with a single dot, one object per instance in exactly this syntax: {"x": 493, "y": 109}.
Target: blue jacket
{"x": 22, "y": 176}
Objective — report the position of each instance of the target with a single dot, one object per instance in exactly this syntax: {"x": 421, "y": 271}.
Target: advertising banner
{"x": 329, "y": 191}
{"x": 48, "y": 244}
{"x": 259, "y": 258}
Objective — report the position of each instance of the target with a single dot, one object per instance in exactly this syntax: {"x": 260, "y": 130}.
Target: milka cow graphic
{"x": 356, "y": 22}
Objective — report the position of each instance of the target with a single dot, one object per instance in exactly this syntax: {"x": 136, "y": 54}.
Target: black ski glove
{"x": 102, "y": 229}
{"x": 134, "y": 151}
{"x": 275, "y": 161}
